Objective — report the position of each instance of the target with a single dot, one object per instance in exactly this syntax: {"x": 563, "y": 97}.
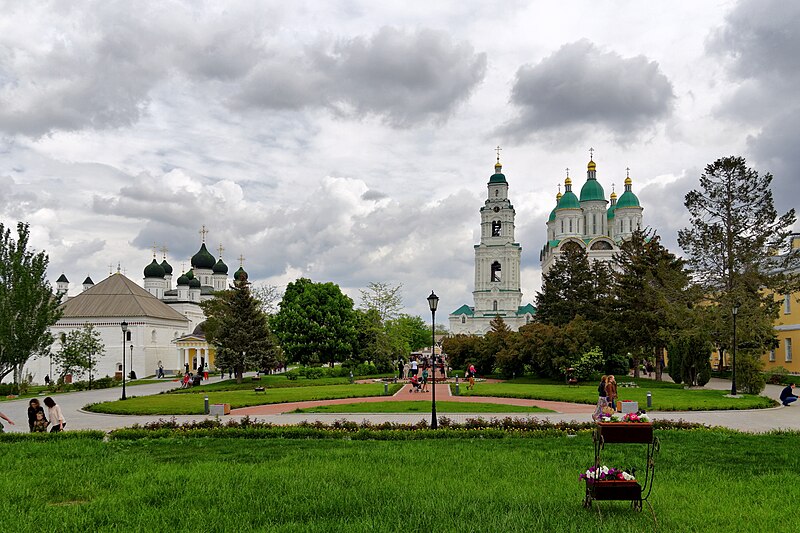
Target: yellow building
{"x": 195, "y": 350}
{"x": 787, "y": 329}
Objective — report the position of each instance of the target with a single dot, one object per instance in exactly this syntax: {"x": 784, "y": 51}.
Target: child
{"x": 40, "y": 424}
{"x": 415, "y": 386}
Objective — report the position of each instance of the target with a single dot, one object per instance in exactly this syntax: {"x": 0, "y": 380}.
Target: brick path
{"x": 442, "y": 394}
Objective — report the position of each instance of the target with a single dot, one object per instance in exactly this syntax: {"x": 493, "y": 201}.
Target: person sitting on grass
{"x": 788, "y": 396}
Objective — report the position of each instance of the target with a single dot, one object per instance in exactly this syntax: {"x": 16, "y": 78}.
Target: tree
{"x": 734, "y": 245}
{"x": 267, "y": 295}
{"x": 386, "y": 299}
{"x": 316, "y": 323}
{"x": 373, "y": 344}
{"x": 27, "y": 305}
{"x": 462, "y": 349}
{"x": 79, "y": 351}
{"x": 239, "y": 329}
{"x": 407, "y": 334}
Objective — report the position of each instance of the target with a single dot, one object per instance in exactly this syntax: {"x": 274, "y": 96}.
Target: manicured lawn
{"x": 666, "y": 397}
{"x": 191, "y": 403}
{"x": 275, "y": 381}
{"x": 705, "y": 481}
{"x": 422, "y": 406}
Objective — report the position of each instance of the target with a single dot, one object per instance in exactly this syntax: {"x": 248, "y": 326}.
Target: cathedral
{"x": 589, "y": 221}
{"x": 497, "y": 267}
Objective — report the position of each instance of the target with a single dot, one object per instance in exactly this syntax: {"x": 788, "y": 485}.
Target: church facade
{"x": 497, "y": 267}
{"x": 589, "y": 222}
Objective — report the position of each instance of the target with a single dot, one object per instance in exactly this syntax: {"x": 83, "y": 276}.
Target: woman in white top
{"x": 414, "y": 367}
{"x": 56, "y": 416}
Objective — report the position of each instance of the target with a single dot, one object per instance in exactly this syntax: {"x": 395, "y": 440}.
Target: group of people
{"x": 606, "y": 397}
{"x": 37, "y": 420}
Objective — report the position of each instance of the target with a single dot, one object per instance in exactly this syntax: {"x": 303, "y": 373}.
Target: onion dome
{"x": 194, "y": 283}
{"x": 553, "y": 212}
{"x": 628, "y": 199}
{"x": 613, "y": 207}
{"x": 203, "y": 258}
{"x": 591, "y": 166}
{"x": 592, "y": 190}
{"x": 167, "y": 267}
{"x": 240, "y": 275}
{"x": 189, "y": 274}
{"x": 498, "y": 177}
{"x": 62, "y": 279}
{"x": 569, "y": 200}
{"x": 154, "y": 270}
{"x": 183, "y": 280}
{"x": 220, "y": 267}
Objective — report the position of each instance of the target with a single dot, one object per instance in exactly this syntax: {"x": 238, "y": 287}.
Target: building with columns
{"x": 497, "y": 267}
{"x": 589, "y": 221}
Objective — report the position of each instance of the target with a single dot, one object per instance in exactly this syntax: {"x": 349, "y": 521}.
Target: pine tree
{"x": 568, "y": 289}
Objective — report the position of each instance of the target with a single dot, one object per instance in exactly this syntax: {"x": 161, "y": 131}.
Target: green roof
{"x": 166, "y": 266}
{"x": 610, "y": 213}
{"x": 154, "y": 270}
{"x": 526, "y": 309}
{"x": 62, "y": 279}
{"x": 568, "y": 201}
{"x": 552, "y": 215}
{"x": 463, "y": 310}
{"x": 203, "y": 258}
{"x": 592, "y": 191}
{"x": 628, "y": 199}
{"x": 220, "y": 267}
{"x": 553, "y": 243}
{"x": 498, "y": 178}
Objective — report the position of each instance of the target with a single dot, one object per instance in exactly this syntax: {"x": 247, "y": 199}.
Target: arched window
{"x": 153, "y": 336}
{"x": 496, "y": 228}
{"x": 562, "y": 225}
{"x": 496, "y": 192}
{"x": 496, "y": 271}
{"x": 463, "y": 319}
{"x": 527, "y": 319}
{"x": 570, "y": 225}
{"x": 494, "y": 305}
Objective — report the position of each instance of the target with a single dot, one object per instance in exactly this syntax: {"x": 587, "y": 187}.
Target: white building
{"x": 497, "y": 267}
{"x": 589, "y": 222}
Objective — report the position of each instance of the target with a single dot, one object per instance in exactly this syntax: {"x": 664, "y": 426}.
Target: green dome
{"x": 628, "y": 199}
{"x": 552, "y": 215}
{"x": 568, "y": 201}
{"x": 591, "y": 191}
{"x": 189, "y": 274}
{"x": 610, "y": 213}
{"x": 167, "y": 267}
{"x": 240, "y": 275}
{"x": 498, "y": 178}
{"x": 203, "y": 258}
{"x": 194, "y": 283}
{"x": 154, "y": 270}
{"x": 183, "y": 280}
{"x": 220, "y": 267}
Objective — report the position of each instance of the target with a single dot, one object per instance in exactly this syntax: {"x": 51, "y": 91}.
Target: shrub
{"x": 616, "y": 365}
{"x": 776, "y": 376}
{"x": 8, "y": 388}
{"x": 748, "y": 373}
{"x": 292, "y": 375}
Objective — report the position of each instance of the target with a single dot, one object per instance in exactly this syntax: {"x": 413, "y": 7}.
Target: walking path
{"x": 758, "y": 420}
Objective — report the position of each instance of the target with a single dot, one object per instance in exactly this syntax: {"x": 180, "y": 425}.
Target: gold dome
{"x": 568, "y": 181}
{"x": 628, "y": 181}
{"x": 592, "y": 165}
{"x": 613, "y": 196}
{"x": 558, "y": 196}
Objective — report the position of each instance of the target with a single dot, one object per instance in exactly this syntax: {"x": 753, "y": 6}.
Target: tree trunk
{"x": 659, "y": 358}
{"x": 636, "y": 362}
{"x": 238, "y": 373}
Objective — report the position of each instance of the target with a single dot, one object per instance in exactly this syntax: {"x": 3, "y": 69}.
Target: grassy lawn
{"x": 705, "y": 481}
{"x": 666, "y": 396}
{"x": 422, "y": 406}
{"x": 191, "y": 403}
{"x": 274, "y": 381}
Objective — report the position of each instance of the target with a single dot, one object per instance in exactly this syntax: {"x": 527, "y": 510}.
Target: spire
{"x": 203, "y": 231}
{"x": 497, "y": 166}
{"x": 628, "y": 180}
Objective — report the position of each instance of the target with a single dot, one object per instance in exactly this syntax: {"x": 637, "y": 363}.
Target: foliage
{"x": 372, "y": 342}
{"x": 384, "y": 298}
{"x": 734, "y": 247}
{"x": 267, "y": 296}
{"x": 689, "y": 355}
{"x": 776, "y": 375}
{"x": 749, "y": 372}
{"x": 27, "y": 305}
{"x": 462, "y": 349}
{"x": 79, "y": 352}
{"x": 407, "y": 334}
{"x": 588, "y": 365}
{"x": 239, "y": 329}
{"x": 422, "y": 406}
{"x": 316, "y": 323}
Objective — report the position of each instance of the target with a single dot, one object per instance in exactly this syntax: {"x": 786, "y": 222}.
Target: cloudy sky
{"x": 352, "y": 141}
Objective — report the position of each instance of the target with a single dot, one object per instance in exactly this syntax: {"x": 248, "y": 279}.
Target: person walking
{"x": 56, "y": 416}
{"x": 471, "y": 375}
{"x": 400, "y": 367}
{"x": 425, "y": 379}
{"x": 788, "y": 396}
{"x": 611, "y": 392}
{"x": 33, "y": 408}
{"x": 414, "y": 367}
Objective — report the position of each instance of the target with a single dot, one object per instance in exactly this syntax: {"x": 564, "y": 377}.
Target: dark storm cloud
{"x": 581, "y": 86}
{"x": 372, "y": 194}
{"x": 403, "y": 77}
{"x": 775, "y": 150}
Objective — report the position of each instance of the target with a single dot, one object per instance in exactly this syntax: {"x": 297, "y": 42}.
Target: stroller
{"x": 416, "y": 386}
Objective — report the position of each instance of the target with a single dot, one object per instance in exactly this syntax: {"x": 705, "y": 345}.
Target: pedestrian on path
{"x": 56, "y": 416}
{"x": 788, "y": 396}
{"x": 611, "y": 391}
{"x": 400, "y": 366}
{"x": 414, "y": 367}
{"x": 425, "y": 380}
{"x": 471, "y": 375}
{"x": 35, "y": 408}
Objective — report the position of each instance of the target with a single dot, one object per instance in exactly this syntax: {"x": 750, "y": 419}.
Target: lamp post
{"x": 733, "y": 380}
{"x": 433, "y": 303}
{"x": 124, "y": 327}
{"x": 132, "y": 361}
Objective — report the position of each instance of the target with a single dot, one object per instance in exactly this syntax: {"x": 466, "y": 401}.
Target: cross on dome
{"x": 221, "y": 249}
{"x": 203, "y": 231}
{"x": 241, "y": 260}
{"x": 498, "y": 150}
{"x": 591, "y": 154}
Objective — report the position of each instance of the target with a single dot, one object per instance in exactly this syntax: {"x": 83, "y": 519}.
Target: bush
{"x": 777, "y": 375}
{"x": 8, "y": 388}
{"x": 748, "y": 373}
{"x": 616, "y": 365}
{"x": 292, "y": 375}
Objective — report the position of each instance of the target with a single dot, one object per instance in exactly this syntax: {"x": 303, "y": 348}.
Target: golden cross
{"x": 612, "y": 187}
{"x": 591, "y": 154}
{"x": 183, "y": 267}
{"x": 203, "y": 232}
{"x": 498, "y": 150}
{"x": 155, "y": 249}
{"x": 627, "y": 172}
{"x": 221, "y": 249}
{"x": 567, "y": 169}
{"x": 241, "y": 260}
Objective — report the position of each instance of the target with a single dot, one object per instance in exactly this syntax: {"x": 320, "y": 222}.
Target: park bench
{"x": 260, "y": 389}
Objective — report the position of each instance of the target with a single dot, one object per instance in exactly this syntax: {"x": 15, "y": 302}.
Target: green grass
{"x": 191, "y": 403}
{"x": 705, "y": 481}
{"x": 273, "y": 381}
{"x": 422, "y": 406}
{"x": 666, "y": 397}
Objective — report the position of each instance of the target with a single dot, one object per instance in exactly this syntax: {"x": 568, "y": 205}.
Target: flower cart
{"x": 604, "y": 483}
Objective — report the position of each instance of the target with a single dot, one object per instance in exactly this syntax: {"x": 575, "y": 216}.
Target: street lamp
{"x": 733, "y": 380}
{"x": 124, "y": 327}
{"x": 132, "y": 372}
{"x": 433, "y": 303}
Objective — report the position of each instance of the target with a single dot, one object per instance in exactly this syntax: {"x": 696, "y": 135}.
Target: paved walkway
{"x": 758, "y": 420}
